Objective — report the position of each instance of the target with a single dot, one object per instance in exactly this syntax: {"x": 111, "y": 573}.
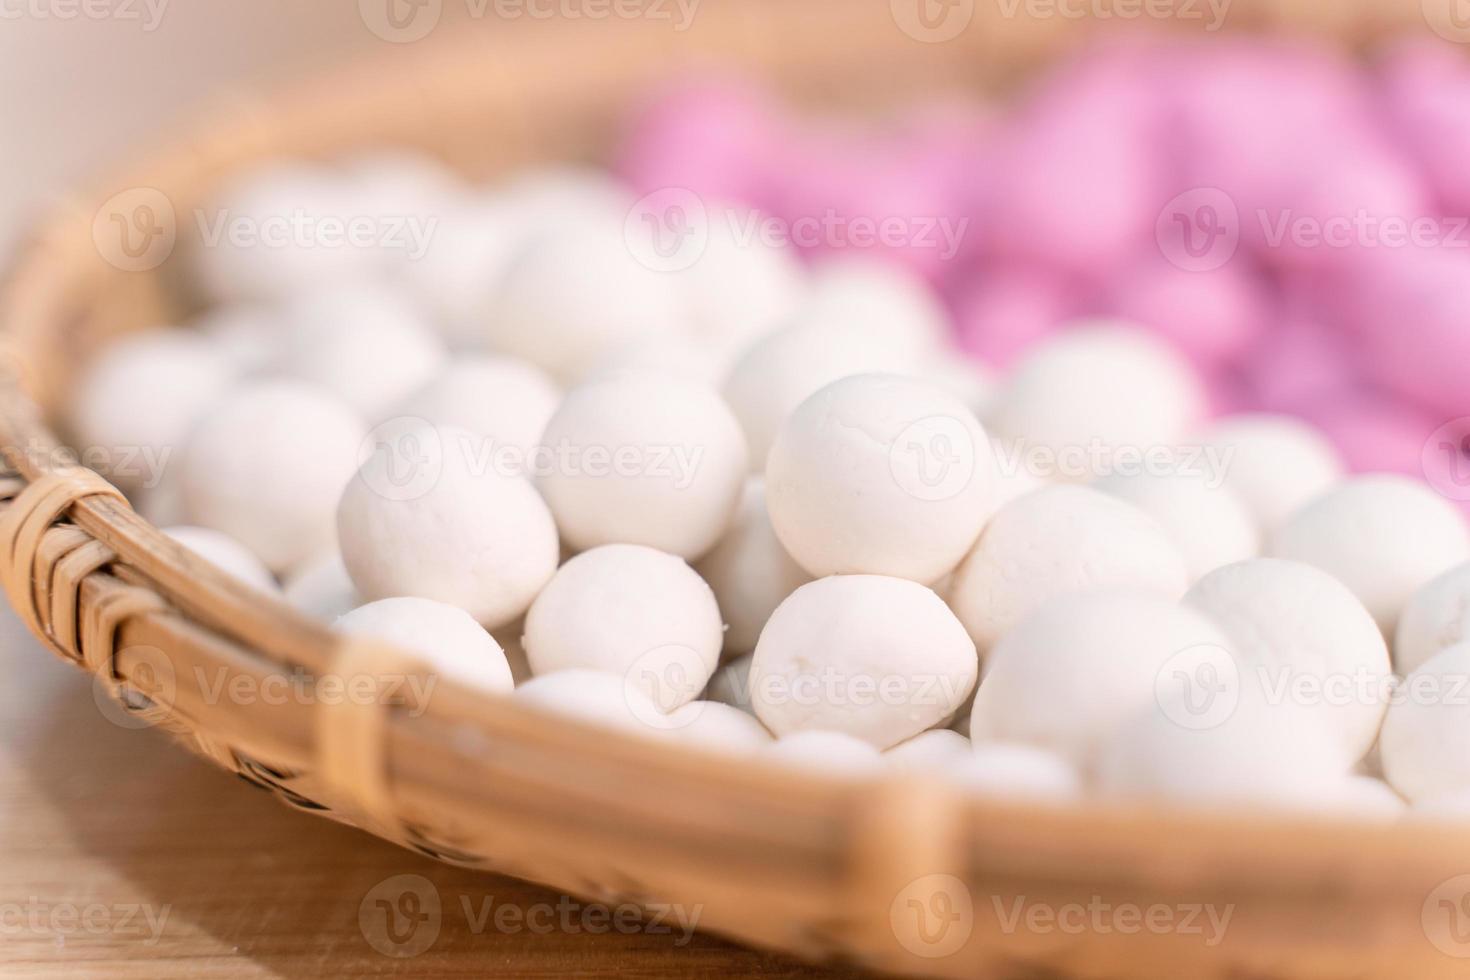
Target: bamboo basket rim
{"x": 511, "y": 788}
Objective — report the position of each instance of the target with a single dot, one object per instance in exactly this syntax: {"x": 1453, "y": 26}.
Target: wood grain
{"x": 121, "y": 855}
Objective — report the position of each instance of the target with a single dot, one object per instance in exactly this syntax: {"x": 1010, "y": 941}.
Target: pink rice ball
{"x": 1007, "y": 309}
{"x": 1426, "y": 93}
{"x": 887, "y": 197}
{"x": 1250, "y": 114}
{"x": 1288, "y": 132}
{"x": 1214, "y": 316}
{"x": 1411, "y": 313}
{"x": 1301, "y": 362}
{"x": 1375, "y": 434}
{"x": 716, "y": 137}
{"x": 1077, "y": 179}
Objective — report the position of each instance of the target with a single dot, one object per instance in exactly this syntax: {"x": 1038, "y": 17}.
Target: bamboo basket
{"x": 901, "y": 875}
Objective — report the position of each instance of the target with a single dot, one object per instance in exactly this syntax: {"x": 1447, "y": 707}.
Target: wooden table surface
{"x": 121, "y": 855}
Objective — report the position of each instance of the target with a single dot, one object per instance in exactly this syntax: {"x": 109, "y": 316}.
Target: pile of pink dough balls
{"x": 1325, "y": 200}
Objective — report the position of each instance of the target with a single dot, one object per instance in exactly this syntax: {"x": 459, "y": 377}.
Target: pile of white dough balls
{"x": 760, "y": 507}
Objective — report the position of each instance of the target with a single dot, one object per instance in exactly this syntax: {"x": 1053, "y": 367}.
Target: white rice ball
{"x": 1364, "y": 798}
{"x": 750, "y": 571}
{"x": 882, "y": 475}
{"x": 1207, "y": 522}
{"x": 685, "y": 358}
{"x": 1268, "y": 755}
{"x": 1437, "y": 616}
{"x": 400, "y": 183}
{"x": 739, "y": 286}
{"x": 225, "y": 553}
{"x": 322, "y": 588}
{"x": 1002, "y": 770}
{"x": 870, "y": 299}
{"x": 267, "y": 465}
{"x": 1016, "y": 474}
{"x": 633, "y": 612}
{"x": 592, "y": 697}
{"x": 459, "y": 276}
{"x": 163, "y": 503}
{"x": 937, "y": 750}
{"x": 964, "y": 377}
{"x": 1078, "y": 668}
{"x": 731, "y": 685}
{"x": 574, "y": 295}
{"x": 1298, "y": 629}
{"x": 567, "y": 196}
{"x": 1449, "y": 808}
{"x": 509, "y": 638}
{"x": 829, "y": 753}
{"x": 879, "y": 658}
{"x": 1058, "y": 540}
{"x": 363, "y": 343}
{"x": 506, "y": 400}
{"x": 1103, "y": 387}
{"x": 247, "y": 335}
{"x": 1276, "y": 463}
{"x": 781, "y": 370}
{"x": 1425, "y": 743}
{"x": 445, "y": 638}
{"x": 642, "y": 458}
{"x": 716, "y": 727}
{"x": 136, "y": 403}
{"x": 1384, "y": 536}
{"x": 425, "y": 518}
{"x": 275, "y": 231}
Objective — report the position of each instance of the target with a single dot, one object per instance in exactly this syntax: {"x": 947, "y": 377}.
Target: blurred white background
{"x": 88, "y": 83}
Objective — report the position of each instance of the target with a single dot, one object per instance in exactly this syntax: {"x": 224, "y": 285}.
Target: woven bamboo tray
{"x": 902, "y": 875}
